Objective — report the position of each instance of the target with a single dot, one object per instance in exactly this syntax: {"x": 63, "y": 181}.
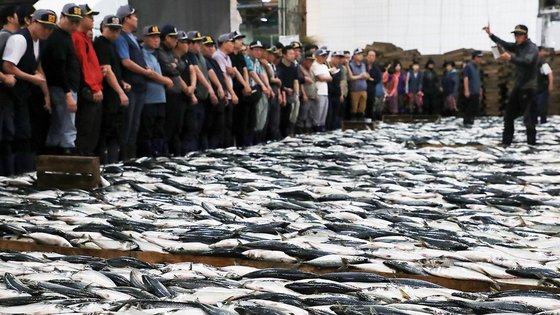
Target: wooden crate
{"x": 410, "y": 118}
{"x": 67, "y": 172}
{"x": 157, "y": 258}
{"x": 357, "y": 125}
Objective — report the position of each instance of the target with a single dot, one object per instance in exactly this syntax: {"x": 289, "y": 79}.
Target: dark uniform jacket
{"x": 525, "y": 62}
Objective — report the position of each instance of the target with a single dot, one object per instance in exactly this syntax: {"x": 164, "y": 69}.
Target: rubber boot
{"x": 113, "y": 154}
{"x": 132, "y": 151}
{"x": 24, "y": 162}
{"x": 531, "y": 135}
{"x": 9, "y": 165}
{"x": 145, "y": 148}
{"x": 123, "y": 153}
{"x": 157, "y": 147}
{"x": 6, "y": 159}
{"x": 103, "y": 156}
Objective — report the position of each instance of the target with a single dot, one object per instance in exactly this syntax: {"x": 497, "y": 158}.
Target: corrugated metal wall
{"x": 431, "y": 26}
{"x": 211, "y": 17}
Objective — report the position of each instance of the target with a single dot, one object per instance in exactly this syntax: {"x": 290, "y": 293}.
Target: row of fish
{"x": 404, "y": 198}
{"x": 49, "y": 283}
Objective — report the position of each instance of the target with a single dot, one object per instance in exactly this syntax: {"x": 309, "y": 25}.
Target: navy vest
{"x": 137, "y": 81}
{"x": 28, "y": 64}
{"x": 414, "y": 83}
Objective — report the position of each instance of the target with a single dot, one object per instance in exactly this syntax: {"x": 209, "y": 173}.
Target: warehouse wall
{"x": 431, "y": 26}
{"x": 209, "y": 17}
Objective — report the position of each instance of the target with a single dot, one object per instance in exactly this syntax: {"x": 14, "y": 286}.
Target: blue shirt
{"x": 358, "y": 85}
{"x": 250, "y": 64}
{"x": 155, "y": 92}
{"x": 122, "y": 45}
{"x": 450, "y": 83}
{"x": 473, "y": 73}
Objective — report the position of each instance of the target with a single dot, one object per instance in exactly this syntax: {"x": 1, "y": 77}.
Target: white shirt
{"x": 545, "y": 69}
{"x": 16, "y": 47}
{"x": 318, "y": 69}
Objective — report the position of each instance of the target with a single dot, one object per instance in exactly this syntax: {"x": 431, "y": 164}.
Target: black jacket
{"x": 166, "y": 58}
{"x": 430, "y": 82}
{"x": 525, "y": 62}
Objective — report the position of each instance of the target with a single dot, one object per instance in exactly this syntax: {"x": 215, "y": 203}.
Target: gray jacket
{"x": 525, "y": 61}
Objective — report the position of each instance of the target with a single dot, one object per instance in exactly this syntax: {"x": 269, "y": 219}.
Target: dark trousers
{"x": 472, "y": 106}
{"x": 542, "y": 101}
{"x": 335, "y": 111}
{"x": 215, "y": 125}
{"x": 285, "y": 112}
{"x": 7, "y": 131}
{"x": 193, "y": 125}
{"x": 111, "y": 127}
{"x": 131, "y": 124}
{"x": 430, "y": 105}
{"x": 174, "y": 118}
{"x": 244, "y": 122}
{"x": 40, "y": 120}
{"x": 151, "y": 133}
{"x": 23, "y": 149}
{"x": 88, "y": 126}
{"x": 229, "y": 136}
{"x": 273, "y": 123}
{"x": 370, "y": 104}
{"x": 521, "y": 103}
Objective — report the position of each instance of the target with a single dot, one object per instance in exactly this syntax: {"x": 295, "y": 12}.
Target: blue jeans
{"x": 62, "y": 132}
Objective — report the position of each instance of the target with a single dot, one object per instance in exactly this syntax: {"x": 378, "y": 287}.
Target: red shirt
{"x": 391, "y": 82}
{"x": 85, "y": 53}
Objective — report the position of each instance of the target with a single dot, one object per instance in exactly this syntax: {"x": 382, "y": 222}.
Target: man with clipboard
{"x": 522, "y": 99}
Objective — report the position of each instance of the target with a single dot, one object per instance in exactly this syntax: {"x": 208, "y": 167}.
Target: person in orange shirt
{"x": 391, "y": 82}
{"x": 90, "y": 95}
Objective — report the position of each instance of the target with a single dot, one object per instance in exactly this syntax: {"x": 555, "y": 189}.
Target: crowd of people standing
{"x": 169, "y": 92}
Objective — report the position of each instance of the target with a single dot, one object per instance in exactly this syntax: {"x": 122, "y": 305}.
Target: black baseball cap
{"x": 237, "y": 35}
{"x": 520, "y": 30}
{"x": 194, "y": 36}
{"x": 256, "y": 44}
{"x": 86, "y": 10}
{"x": 151, "y": 30}
{"x": 168, "y": 30}
{"x": 45, "y": 17}
{"x": 208, "y": 40}
{"x": 125, "y": 10}
{"x": 72, "y": 11}
{"x": 111, "y": 21}
{"x": 296, "y": 45}
{"x": 476, "y": 53}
